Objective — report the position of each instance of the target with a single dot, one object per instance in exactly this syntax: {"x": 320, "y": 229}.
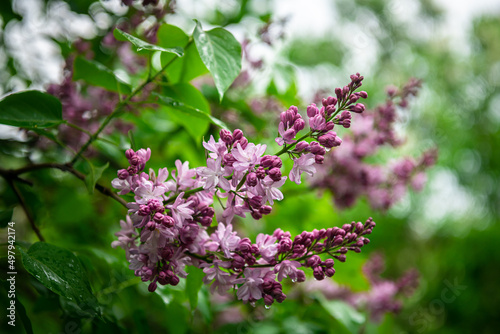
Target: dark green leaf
{"x": 181, "y": 69}
{"x": 194, "y": 281}
{"x": 94, "y": 175}
{"x": 141, "y": 45}
{"x": 99, "y": 75}
{"x": 5, "y": 217}
{"x": 177, "y": 318}
{"x": 30, "y": 109}
{"x": 221, "y": 54}
{"x": 61, "y": 272}
{"x": 344, "y": 313}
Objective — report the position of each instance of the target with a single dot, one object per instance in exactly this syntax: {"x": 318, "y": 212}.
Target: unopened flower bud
{"x": 319, "y": 159}
{"x": 123, "y": 174}
{"x": 237, "y": 134}
{"x": 299, "y": 124}
{"x": 328, "y": 263}
{"x": 268, "y": 300}
{"x": 256, "y": 215}
{"x": 261, "y": 172}
{"x": 330, "y": 100}
{"x": 302, "y": 146}
{"x": 226, "y": 136}
{"x": 251, "y": 179}
{"x": 289, "y": 135}
{"x": 275, "y": 174}
{"x": 129, "y": 153}
{"x": 174, "y": 281}
{"x": 265, "y": 209}
{"x": 255, "y": 202}
{"x": 313, "y": 261}
{"x": 318, "y": 273}
{"x": 243, "y": 142}
{"x": 357, "y": 108}
{"x": 312, "y": 110}
{"x": 330, "y": 272}
{"x": 158, "y": 217}
{"x": 152, "y": 287}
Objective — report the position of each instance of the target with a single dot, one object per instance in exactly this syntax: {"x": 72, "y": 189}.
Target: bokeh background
{"x": 449, "y": 231}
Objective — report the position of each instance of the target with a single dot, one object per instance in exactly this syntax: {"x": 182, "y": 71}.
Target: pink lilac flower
{"x": 185, "y": 176}
{"x": 221, "y": 280}
{"x": 268, "y": 189}
{"x": 252, "y": 284}
{"x": 304, "y": 164}
{"x": 227, "y": 239}
{"x": 213, "y": 175}
{"x": 217, "y": 148}
{"x": 248, "y": 157}
{"x": 181, "y": 210}
{"x": 286, "y": 269}
{"x": 267, "y": 246}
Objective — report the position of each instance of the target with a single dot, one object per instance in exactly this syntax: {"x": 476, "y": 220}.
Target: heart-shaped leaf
{"x": 30, "y": 109}
{"x": 221, "y": 54}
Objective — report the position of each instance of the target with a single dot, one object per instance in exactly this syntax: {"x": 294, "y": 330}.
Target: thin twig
{"x": 26, "y": 210}
{"x": 13, "y": 174}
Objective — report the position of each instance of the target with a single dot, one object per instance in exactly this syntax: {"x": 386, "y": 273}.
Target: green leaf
{"x": 60, "y": 271}
{"x": 194, "y": 282}
{"x": 182, "y": 69}
{"x": 189, "y": 108}
{"x": 177, "y": 321}
{"x": 99, "y": 75}
{"x": 93, "y": 176}
{"x": 141, "y": 45}
{"x": 344, "y": 313}
{"x": 132, "y": 140}
{"x": 30, "y": 109}
{"x": 6, "y": 217}
{"x": 221, "y": 54}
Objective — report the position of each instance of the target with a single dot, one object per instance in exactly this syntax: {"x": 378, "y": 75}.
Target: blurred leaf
{"x": 188, "y": 107}
{"x": 181, "y": 69}
{"x": 61, "y": 272}
{"x": 30, "y": 109}
{"x": 221, "y": 54}
{"x": 141, "y": 45}
{"x": 5, "y": 217}
{"x": 194, "y": 282}
{"x": 132, "y": 140}
{"x": 177, "y": 318}
{"x": 94, "y": 176}
{"x": 99, "y": 75}
{"x": 344, "y": 313}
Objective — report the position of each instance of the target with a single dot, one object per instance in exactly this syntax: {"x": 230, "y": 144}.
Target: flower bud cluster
{"x": 346, "y": 174}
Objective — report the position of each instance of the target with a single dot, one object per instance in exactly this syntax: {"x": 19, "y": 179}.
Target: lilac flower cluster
{"x": 169, "y": 221}
{"x": 383, "y": 296}
{"x": 347, "y": 174}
